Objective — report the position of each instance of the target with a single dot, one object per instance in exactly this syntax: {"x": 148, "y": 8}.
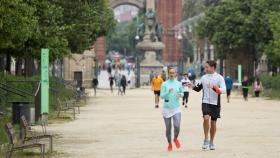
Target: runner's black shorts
{"x": 212, "y": 110}
{"x": 157, "y": 93}
{"x": 228, "y": 92}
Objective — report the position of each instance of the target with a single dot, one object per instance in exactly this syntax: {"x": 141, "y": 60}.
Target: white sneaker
{"x": 205, "y": 145}
{"x": 211, "y": 146}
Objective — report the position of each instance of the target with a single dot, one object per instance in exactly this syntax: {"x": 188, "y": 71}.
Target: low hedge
{"x": 57, "y": 90}
{"x": 271, "y": 86}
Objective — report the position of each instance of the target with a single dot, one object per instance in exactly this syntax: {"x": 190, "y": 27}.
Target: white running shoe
{"x": 211, "y": 146}
{"x": 205, "y": 145}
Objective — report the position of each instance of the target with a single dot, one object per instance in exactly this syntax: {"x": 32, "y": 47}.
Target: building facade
{"x": 80, "y": 68}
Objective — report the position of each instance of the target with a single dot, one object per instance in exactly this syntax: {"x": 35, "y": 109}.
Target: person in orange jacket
{"x": 156, "y": 85}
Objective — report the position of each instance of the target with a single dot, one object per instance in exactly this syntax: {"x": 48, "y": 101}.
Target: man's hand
{"x": 190, "y": 85}
{"x": 210, "y": 86}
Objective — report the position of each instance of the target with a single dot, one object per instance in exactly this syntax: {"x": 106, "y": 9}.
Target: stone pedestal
{"x": 149, "y": 64}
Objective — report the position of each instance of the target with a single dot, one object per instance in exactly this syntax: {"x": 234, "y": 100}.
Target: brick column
{"x": 169, "y": 13}
{"x": 100, "y": 49}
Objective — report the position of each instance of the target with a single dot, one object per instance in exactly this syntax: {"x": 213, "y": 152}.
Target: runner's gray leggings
{"x": 176, "y": 122}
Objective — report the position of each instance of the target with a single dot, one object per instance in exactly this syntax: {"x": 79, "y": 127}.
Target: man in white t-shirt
{"x": 185, "y": 81}
{"x": 212, "y": 85}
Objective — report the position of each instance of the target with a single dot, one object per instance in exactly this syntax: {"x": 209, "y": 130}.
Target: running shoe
{"x": 156, "y": 106}
{"x": 205, "y": 145}
{"x": 169, "y": 148}
{"x": 211, "y": 146}
{"x": 177, "y": 143}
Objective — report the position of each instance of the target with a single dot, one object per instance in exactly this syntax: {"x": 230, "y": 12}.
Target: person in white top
{"x": 185, "y": 81}
{"x": 213, "y": 85}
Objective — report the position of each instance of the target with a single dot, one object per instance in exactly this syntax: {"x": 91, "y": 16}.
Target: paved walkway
{"x": 103, "y": 78}
{"x": 129, "y": 127}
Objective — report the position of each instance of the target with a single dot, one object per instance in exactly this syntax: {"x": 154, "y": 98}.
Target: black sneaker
{"x": 156, "y": 106}
{"x": 186, "y": 106}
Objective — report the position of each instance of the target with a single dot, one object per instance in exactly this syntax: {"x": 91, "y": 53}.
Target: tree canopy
{"x": 237, "y": 24}
{"x": 122, "y": 38}
{"x": 64, "y": 27}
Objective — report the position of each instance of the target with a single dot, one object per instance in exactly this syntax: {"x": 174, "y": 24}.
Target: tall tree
{"x": 273, "y": 47}
{"x": 85, "y": 21}
{"x": 235, "y": 24}
{"x": 17, "y": 24}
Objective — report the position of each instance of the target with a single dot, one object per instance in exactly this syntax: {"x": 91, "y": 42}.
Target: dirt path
{"x": 130, "y": 127}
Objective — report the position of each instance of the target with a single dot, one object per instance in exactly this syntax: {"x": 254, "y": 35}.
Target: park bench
{"x": 62, "y": 106}
{"x": 28, "y": 134}
{"x": 14, "y": 144}
{"x": 73, "y": 103}
{"x": 81, "y": 94}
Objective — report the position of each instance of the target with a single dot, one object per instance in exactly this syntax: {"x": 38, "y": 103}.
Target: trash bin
{"x": 19, "y": 109}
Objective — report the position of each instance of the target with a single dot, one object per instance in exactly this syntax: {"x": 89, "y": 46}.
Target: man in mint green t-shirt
{"x": 171, "y": 91}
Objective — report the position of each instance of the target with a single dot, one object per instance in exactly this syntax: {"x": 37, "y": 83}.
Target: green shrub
{"x": 57, "y": 90}
{"x": 271, "y": 86}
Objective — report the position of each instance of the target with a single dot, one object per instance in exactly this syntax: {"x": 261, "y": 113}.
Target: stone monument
{"x": 150, "y": 36}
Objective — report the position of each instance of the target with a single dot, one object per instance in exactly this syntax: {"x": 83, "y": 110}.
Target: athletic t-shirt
{"x": 156, "y": 83}
{"x": 171, "y": 99}
{"x": 209, "y": 95}
{"x": 185, "y": 85}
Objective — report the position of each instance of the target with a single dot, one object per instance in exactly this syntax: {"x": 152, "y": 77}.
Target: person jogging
{"x": 94, "y": 85}
{"x": 156, "y": 84}
{"x": 185, "y": 81}
{"x": 229, "y": 84}
{"x": 123, "y": 84}
{"x": 257, "y": 87}
{"x": 111, "y": 82}
{"x": 245, "y": 88}
{"x": 119, "y": 85}
{"x": 213, "y": 85}
{"x": 171, "y": 91}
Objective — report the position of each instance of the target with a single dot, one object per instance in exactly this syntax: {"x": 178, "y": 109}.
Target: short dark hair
{"x": 185, "y": 74}
{"x": 170, "y": 68}
{"x": 212, "y": 63}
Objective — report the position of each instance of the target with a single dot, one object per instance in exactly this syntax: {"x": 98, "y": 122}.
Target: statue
{"x": 150, "y": 14}
{"x": 141, "y": 30}
{"x": 159, "y": 31}
{"x": 156, "y": 29}
{"x": 151, "y": 18}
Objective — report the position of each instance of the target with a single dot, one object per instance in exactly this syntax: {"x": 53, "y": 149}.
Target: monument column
{"x": 151, "y": 33}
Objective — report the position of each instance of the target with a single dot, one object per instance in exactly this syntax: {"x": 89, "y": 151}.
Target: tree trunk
{"x": 29, "y": 65}
{"x": 222, "y": 66}
{"x": 19, "y": 67}
{"x": 274, "y": 71}
{"x": 8, "y": 62}
{"x": 2, "y": 63}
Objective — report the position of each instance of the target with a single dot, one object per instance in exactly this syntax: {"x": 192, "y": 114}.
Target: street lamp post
{"x": 181, "y": 60}
{"x": 137, "y": 63}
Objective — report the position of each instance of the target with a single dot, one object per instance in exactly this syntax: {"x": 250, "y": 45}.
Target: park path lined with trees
{"x": 130, "y": 127}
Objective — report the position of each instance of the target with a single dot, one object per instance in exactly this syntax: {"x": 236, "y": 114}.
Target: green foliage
{"x": 273, "y": 47}
{"x": 49, "y": 33}
{"x": 237, "y": 24}
{"x": 122, "y": 38}
{"x": 271, "y": 86}
{"x": 84, "y": 21}
{"x": 57, "y": 90}
{"x": 26, "y": 26}
{"x": 17, "y": 23}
